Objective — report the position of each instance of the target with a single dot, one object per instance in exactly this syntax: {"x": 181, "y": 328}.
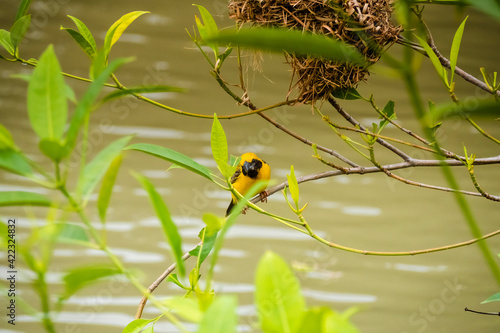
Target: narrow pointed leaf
{"x": 169, "y": 227}
{"x": 223, "y": 308}
{"x": 22, "y": 198}
{"x": 73, "y": 233}
{"x": 174, "y": 157}
{"x": 86, "y": 102}
{"x": 348, "y": 94}
{"x": 455, "y": 48}
{"x": 95, "y": 170}
{"x": 23, "y": 9}
{"x": 18, "y": 31}
{"x": 107, "y": 187}
{"x": 47, "y": 103}
{"x": 492, "y": 298}
{"x": 5, "y": 41}
{"x": 80, "y": 277}
{"x": 291, "y": 41}
{"x": 80, "y": 39}
{"x": 275, "y": 284}
{"x": 293, "y": 186}
{"x": 434, "y": 59}
{"x": 117, "y": 29}
{"x": 207, "y": 28}
{"x": 85, "y": 32}
{"x": 141, "y": 90}
{"x": 219, "y": 146}
{"x": 6, "y": 140}
{"x": 15, "y": 162}
{"x": 137, "y": 325}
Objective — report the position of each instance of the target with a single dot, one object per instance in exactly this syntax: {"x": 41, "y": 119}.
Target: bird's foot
{"x": 263, "y": 196}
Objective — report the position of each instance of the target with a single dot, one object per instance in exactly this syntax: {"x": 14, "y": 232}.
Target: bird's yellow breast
{"x": 244, "y": 183}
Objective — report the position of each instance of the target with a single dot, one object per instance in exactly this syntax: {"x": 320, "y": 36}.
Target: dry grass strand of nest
{"x": 365, "y": 24}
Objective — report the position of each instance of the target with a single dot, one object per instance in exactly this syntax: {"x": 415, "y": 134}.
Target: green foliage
{"x": 492, "y": 298}
{"x": 294, "y": 187}
{"x": 18, "y": 31}
{"x": 291, "y": 41}
{"x": 279, "y": 302}
{"x": 95, "y": 170}
{"x": 141, "y": 90}
{"x": 224, "y": 309}
{"x": 116, "y": 30}
{"x": 455, "y": 48}
{"x": 83, "y": 37}
{"x": 23, "y": 9}
{"x": 22, "y": 198}
{"x": 174, "y": 157}
{"x": 169, "y": 227}
{"x": 108, "y": 183}
{"x": 15, "y": 162}
{"x": 208, "y": 28}
{"x": 80, "y": 277}
{"x": 137, "y": 326}
{"x": 47, "y": 104}
{"x": 5, "y": 41}
{"x": 219, "y": 148}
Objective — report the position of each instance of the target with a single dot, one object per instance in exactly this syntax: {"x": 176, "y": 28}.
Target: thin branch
{"x": 479, "y": 188}
{"x": 396, "y": 166}
{"x": 354, "y": 122}
{"x": 483, "y": 313}
{"x": 158, "y": 281}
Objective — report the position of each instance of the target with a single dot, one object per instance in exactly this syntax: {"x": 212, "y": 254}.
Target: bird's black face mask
{"x": 251, "y": 169}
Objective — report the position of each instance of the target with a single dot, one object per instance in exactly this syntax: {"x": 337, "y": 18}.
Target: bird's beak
{"x": 247, "y": 167}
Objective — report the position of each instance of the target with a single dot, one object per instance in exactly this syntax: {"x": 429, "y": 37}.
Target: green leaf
{"x": 489, "y": 7}
{"x": 482, "y": 108}
{"x": 15, "y": 162}
{"x": 53, "y": 149}
{"x": 388, "y": 111}
{"x": 435, "y": 61}
{"x": 172, "y": 156}
{"x": 5, "y": 41}
{"x": 108, "y": 183}
{"x": 347, "y": 94}
{"x": 117, "y": 29}
{"x": 208, "y": 239}
{"x": 23, "y": 9}
{"x": 169, "y": 227}
{"x": 73, "y": 233}
{"x": 80, "y": 39}
{"x": 455, "y": 48}
{"x": 80, "y": 277}
{"x": 95, "y": 170}
{"x": 141, "y": 90}
{"x": 339, "y": 322}
{"x": 86, "y": 34}
{"x": 208, "y": 28}
{"x": 98, "y": 64}
{"x": 224, "y": 309}
{"x": 86, "y": 102}
{"x": 219, "y": 146}
{"x": 492, "y": 298}
{"x": 47, "y": 104}
{"x": 291, "y": 41}
{"x": 6, "y": 140}
{"x": 276, "y": 285}
{"x": 186, "y": 308}
{"x": 173, "y": 278}
{"x": 293, "y": 186}
{"x": 18, "y": 31}
{"x": 314, "y": 320}
{"x": 21, "y": 198}
{"x": 136, "y": 326}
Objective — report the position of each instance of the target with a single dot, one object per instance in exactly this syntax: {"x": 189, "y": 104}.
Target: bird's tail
{"x": 230, "y": 208}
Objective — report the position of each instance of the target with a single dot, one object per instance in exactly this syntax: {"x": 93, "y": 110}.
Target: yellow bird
{"x": 250, "y": 170}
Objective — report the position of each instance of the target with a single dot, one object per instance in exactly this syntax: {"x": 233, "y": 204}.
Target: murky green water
{"x": 425, "y": 293}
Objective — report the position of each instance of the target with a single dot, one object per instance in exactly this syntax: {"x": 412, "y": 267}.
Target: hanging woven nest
{"x": 365, "y": 24}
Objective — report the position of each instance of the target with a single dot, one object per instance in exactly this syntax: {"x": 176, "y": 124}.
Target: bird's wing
{"x": 235, "y": 175}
